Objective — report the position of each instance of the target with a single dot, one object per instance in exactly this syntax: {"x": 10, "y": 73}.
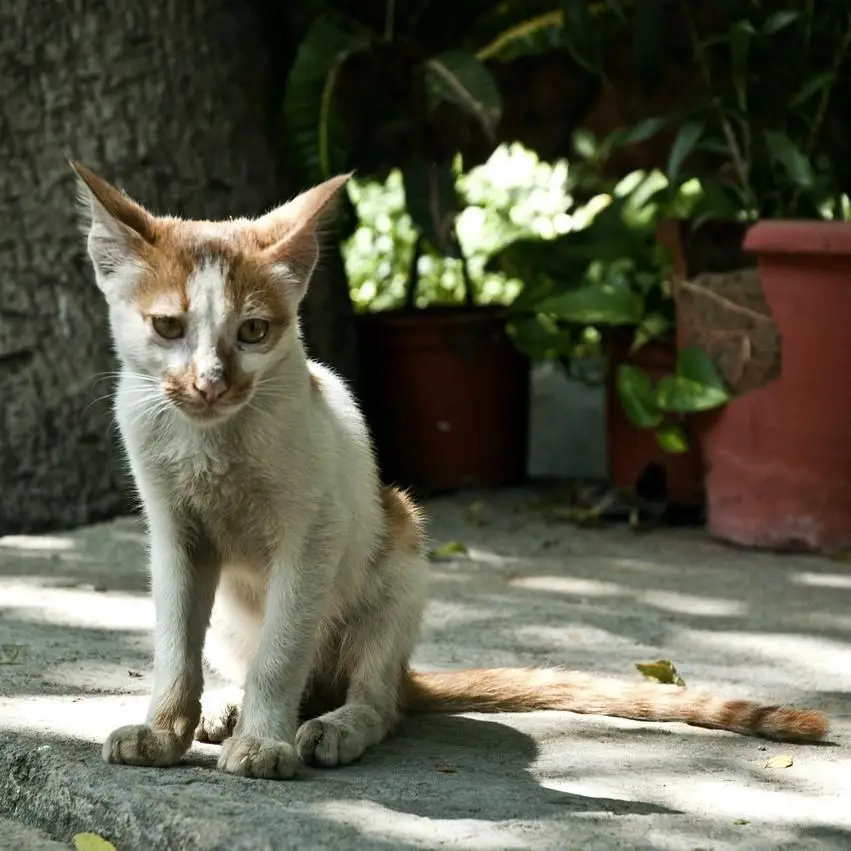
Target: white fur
{"x": 267, "y": 526}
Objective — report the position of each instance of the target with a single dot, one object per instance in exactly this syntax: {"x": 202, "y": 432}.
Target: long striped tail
{"x": 529, "y": 689}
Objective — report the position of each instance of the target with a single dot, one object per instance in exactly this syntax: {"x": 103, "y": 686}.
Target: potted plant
{"x": 607, "y": 283}
{"x": 772, "y": 152}
{"x": 445, "y": 393}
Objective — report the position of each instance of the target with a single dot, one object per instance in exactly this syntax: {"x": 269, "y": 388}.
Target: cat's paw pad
{"x": 139, "y": 744}
{"x": 327, "y": 742}
{"x": 251, "y": 756}
{"x": 218, "y": 719}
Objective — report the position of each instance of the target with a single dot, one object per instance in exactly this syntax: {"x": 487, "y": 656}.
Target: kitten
{"x": 274, "y": 550}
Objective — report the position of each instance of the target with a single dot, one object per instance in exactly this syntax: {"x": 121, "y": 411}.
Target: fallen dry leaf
{"x": 446, "y": 769}
{"x": 92, "y": 842}
{"x": 741, "y": 821}
{"x": 10, "y": 654}
{"x": 780, "y": 762}
{"x": 448, "y": 550}
{"x": 662, "y": 670}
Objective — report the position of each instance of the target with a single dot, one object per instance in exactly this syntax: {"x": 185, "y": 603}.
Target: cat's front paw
{"x": 139, "y": 744}
{"x": 252, "y": 756}
{"x": 329, "y": 742}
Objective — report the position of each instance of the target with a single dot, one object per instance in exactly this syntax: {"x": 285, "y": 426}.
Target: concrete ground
{"x": 75, "y": 634}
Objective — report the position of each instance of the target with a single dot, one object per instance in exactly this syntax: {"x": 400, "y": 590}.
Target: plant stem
{"x": 414, "y": 274}
{"x": 469, "y": 301}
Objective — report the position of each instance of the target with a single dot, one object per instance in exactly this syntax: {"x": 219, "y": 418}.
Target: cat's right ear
{"x": 119, "y": 231}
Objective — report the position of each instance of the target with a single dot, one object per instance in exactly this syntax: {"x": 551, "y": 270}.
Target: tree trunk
{"x": 178, "y": 101}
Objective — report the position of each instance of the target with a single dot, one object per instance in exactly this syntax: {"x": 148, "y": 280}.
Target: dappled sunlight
{"x": 823, "y": 580}
{"x": 804, "y": 655}
{"x": 90, "y": 718}
{"x": 77, "y": 607}
{"x": 380, "y": 822}
{"x": 690, "y": 604}
{"x": 41, "y": 543}
{"x": 570, "y": 585}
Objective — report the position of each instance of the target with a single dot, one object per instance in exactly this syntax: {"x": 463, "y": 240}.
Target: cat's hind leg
{"x": 377, "y": 641}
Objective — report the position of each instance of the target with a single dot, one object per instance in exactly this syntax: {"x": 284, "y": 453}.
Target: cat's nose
{"x": 210, "y": 388}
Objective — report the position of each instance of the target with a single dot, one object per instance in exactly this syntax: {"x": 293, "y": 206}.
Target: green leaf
{"x": 687, "y": 137}
{"x": 635, "y": 390}
{"x": 662, "y": 671}
{"x": 595, "y": 304}
{"x": 461, "y": 79}
{"x": 812, "y": 87}
{"x": 432, "y": 202}
{"x": 312, "y": 122}
{"x": 531, "y": 37}
{"x": 582, "y": 35}
{"x": 672, "y": 438}
{"x": 644, "y": 130}
{"x": 785, "y": 152}
{"x": 447, "y": 551}
{"x": 538, "y": 337}
{"x": 694, "y": 364}
{"x": 740, "y": 42}
{"x": 652, "y": 325}
{"x": 779, "y": 20}
{"x": 682, "y": 395}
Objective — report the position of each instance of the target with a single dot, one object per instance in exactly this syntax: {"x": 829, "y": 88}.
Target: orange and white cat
{"x": 274, "y": 549}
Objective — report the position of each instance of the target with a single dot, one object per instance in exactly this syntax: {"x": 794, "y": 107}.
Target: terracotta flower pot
{"x": 778, "y": 460}
{"x": 446, "y": 394}
{"x": 631, "y": 449}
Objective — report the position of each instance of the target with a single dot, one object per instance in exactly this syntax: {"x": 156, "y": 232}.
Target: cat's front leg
{"x": 184, "y": 580}
{"x": 262, "y": 744}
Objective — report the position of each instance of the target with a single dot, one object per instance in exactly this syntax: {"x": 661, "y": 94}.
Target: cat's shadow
{"x": 454, "y": 767}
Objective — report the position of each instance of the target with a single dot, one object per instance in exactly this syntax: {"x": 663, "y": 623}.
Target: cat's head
{"x": 203, "y": 311}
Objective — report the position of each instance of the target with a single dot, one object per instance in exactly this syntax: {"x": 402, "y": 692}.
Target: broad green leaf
{"x": 779, "y": 20}
{"x": 811, "y": 87}
{"x": 785, "y": 152}
{"x": 672, "y": 438}
{"x": 432, "y": 202}
{"x": 91, "y": 842}
{"x": 682, "y": 395}
{"x": 462, "y": 79}
{"x": 652, "y": 325}
{"x": 684, "y": 143}
{"x": 635, "y": 390}
{"x": 531, "y": 37}
{"x": 539, "y": 338}
{"x": 694, "y": 364}
{"x": 309, "y": 110}
{"x": 596, "y": 304}
{"x": 662, "y": 671}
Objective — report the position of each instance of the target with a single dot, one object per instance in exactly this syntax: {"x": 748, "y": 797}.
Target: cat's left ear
{"x": 292, "y": 232}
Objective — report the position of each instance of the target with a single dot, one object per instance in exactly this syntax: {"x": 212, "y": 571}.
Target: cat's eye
{"x": 168, "y": 327}
{"x": 252, "y": 331}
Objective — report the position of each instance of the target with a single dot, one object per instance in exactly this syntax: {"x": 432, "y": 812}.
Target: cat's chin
{"x": 208, "y": 417}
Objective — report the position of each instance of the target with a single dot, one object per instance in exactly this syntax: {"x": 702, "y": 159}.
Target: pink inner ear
{"x": 304, "y": 214}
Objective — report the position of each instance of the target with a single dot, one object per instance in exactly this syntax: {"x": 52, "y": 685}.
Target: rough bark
{"x": 175, "y": 100}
